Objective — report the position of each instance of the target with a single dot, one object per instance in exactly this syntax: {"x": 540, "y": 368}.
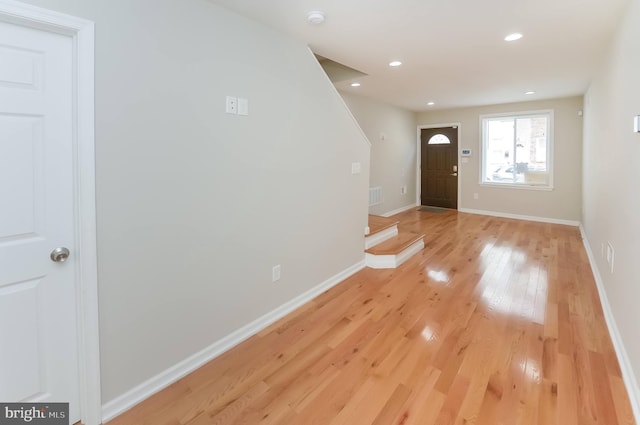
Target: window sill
{"x": 518, "y": 186}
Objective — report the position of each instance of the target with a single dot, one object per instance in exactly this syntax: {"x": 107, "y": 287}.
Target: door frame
{"x": 81, "y": 32}
{"x": 419, "y": 159}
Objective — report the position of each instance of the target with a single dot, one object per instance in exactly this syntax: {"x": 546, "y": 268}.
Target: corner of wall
{"x": 626, "y": 367}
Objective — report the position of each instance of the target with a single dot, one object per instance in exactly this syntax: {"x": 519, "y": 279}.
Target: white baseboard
{"x": 399, "y": 210}
{"x": 630, "y": 381}
{"x": 145, "y": 390}
{"x": 521, "y": 217}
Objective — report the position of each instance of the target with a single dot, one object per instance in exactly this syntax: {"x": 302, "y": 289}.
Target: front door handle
{"x": 454, "y": 174}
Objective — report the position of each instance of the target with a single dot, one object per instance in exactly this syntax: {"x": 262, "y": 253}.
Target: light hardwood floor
{"x": 495, "y": 322}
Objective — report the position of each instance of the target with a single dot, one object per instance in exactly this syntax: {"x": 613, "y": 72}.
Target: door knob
{"x": 59, "y": 255}
{"x": 454, "y": 174}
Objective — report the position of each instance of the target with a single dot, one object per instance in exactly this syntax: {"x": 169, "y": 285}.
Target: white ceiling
{"x": 453, "y": 51}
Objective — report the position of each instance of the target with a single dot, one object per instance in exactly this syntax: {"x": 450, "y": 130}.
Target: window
{"x": 439, "y": 139}
{"x": 517, "y": 149}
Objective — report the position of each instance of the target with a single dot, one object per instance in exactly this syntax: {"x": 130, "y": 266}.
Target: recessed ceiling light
{"x": 395, "y": 63}
{"x": 513, "y": 37}
{"x": 431, "y": 103}
{"x": 355, "y": 84}
{"x": 530, "y": 92}
{"x": 315, "y": 17}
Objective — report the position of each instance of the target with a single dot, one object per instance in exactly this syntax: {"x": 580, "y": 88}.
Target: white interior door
{"x": 38, "y": 329}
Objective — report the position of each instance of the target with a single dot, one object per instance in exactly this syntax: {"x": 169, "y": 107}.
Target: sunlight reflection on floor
{"x": 439, "y": 276}
{"x": 512, "y": 283}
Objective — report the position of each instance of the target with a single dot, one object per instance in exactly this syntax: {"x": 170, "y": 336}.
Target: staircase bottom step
{"x": 389, "y": 258}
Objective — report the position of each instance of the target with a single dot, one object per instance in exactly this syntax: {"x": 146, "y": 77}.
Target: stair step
{"x": 379, "y": 237}
{"x": 377, "y": 224}
{"x": 395, "y": 251}
{"x": 395, "y": 245}
{"x": 385, "y": 247}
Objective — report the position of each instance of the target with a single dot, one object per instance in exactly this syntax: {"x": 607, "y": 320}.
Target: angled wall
{"x": 392, "y": 133}
{"x": 195, "y": 206}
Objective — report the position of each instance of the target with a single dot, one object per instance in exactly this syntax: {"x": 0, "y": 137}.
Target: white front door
{"x": 38, "y": 324}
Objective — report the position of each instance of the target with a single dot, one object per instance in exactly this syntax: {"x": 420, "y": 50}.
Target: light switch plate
{"x": 636, "y": 124}
{"x": 355, "y": 168}
{"x": 275, "y": 273}
{"x": 243, "y": 106}
{"x": 610, "y": 255}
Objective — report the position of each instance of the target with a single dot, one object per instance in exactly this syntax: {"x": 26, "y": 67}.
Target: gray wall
{"x": 194, "y": 205}
{"x": 393, "y": 160}
{"x": 611, "y": 194}
{"x": 563, "y": 202}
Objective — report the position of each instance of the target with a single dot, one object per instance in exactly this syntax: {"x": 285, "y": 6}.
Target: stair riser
{"x": 380, "y": 237}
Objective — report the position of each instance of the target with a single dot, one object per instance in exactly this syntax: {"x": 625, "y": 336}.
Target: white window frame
{"x": 550, "y": 143}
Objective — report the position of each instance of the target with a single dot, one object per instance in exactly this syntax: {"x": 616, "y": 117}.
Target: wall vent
{"x": 375, "y": 196}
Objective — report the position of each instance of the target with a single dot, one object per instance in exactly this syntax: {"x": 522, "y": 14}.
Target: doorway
{"x": 438, "y": 168}
{"x": 48, "y": 273}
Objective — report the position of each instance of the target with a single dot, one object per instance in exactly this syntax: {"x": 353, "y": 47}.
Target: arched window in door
{"x": 439, "y": 139}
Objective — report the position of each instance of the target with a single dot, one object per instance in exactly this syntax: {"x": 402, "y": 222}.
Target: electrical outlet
{"x": 610, "y": 256}
{"x": 403, "y": 190}
{"x": 232, "y": 105}
{"x": 275, "y": 273}
{"x": 475, "y": 196}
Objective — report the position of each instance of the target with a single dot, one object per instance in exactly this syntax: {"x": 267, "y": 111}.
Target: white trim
{"x": 393, "y": 261}
{"x": 550, "y": 148}
{"x": 399, "y": 210}
{"x": 81, "y": 32}
{"x": 628, "y": 376}
{"x": 517, "y": 186}
{"x": 379, "y": 237}
{"x": 23, "y": 13}
{"x": 574, "y": 223}
{"x": 90, "y": 399}
{"x": 380, "y": 261}
{"x": 143, "y": 391}
{"x": 419, "y": 160}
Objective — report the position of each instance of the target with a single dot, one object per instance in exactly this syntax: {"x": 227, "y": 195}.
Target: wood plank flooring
{"x": 495, "y": 322}
{"x": 378, "y": 223}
